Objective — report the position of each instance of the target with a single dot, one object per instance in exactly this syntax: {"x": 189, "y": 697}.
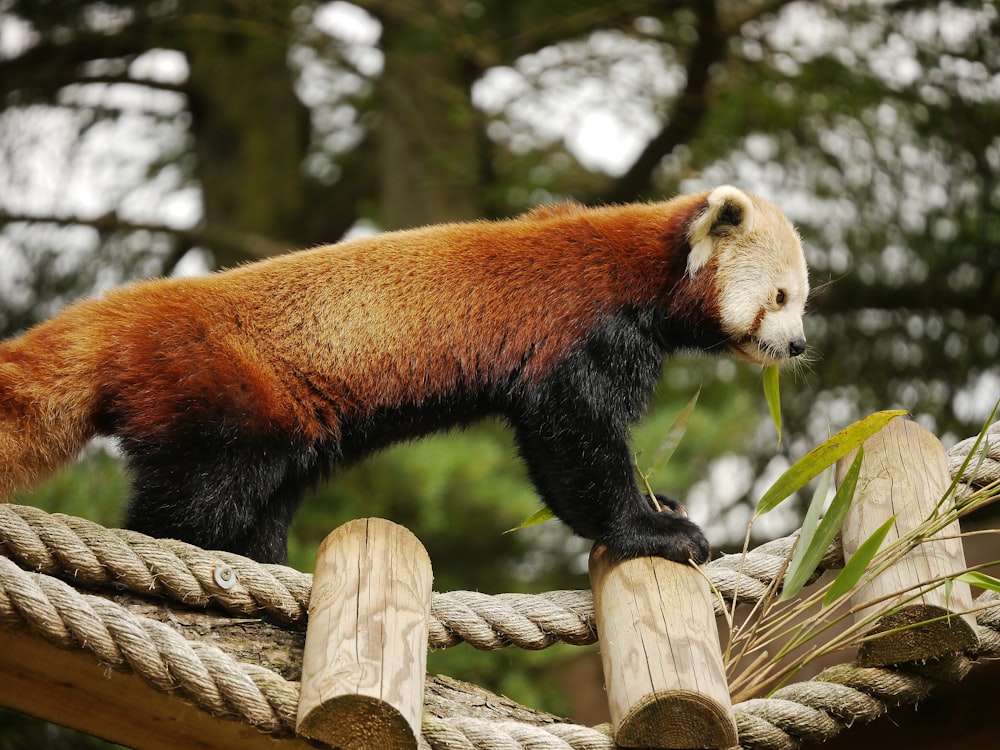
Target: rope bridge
{"x": 42, "y": 551}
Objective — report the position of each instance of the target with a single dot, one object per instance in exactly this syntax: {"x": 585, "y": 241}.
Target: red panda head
{"x": 761, "y": 279}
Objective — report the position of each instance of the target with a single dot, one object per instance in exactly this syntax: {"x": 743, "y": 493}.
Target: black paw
{"x": 667, "y": 533}
{"x": 670, "y": 505}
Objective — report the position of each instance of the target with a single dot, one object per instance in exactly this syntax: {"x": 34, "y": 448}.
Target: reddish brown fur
{"x": 294, "y": 344}
{"x": 232, "y": 394}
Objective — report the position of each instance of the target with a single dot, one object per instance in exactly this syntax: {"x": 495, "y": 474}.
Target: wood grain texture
{"x": 73, "y": 689}
{"x": 366, "y": 645}
{"x": 660, "y": 649}
{"x": 905, "y": 472}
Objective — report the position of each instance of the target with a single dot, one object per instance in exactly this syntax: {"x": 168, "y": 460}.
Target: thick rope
{"x": 528, "y": 621}
{"x": 815, "y": 710}
{"x": 92, "y": 555}
{"x": 57, "y": 544}
{"x": 157, "y": 653}
{"x": 984, "y": 467}
{"x": 467, "y": 733}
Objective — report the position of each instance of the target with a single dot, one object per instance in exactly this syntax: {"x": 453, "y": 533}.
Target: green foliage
{"x": 859, "y": 563}
{"x": 94, "y": 488}
{"x": 819, "y": 458}
{"x": 980, "y": 579}
{"x": 668, "y": 443}
{"x": 457, "y": 492}
{"x": 539, "y": 516}
{"x": 772, "y": 395}
{"x": 816, "y": 536}
{"x": 797, "y": 573}
{"x": 726, "y": 416}
{"x": 977, "y": 453}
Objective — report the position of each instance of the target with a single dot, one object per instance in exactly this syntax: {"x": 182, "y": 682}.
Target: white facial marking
{"x": 761, "y": 275}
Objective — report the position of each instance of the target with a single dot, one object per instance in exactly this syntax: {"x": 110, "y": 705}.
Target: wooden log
{"x": 73, "y": 689}
{"x": 905, "y": 472}
{"x": 365, "y": 655}
{"x": 663, "y": 667}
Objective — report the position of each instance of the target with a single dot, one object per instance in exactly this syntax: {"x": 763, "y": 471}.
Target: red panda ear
{"x": 729, "y": 211}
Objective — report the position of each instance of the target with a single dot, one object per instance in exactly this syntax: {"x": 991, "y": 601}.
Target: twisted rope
{"x": 214, "y": 681}
{"x": 816, "y": 709}
{"x": 466, "y": 733}
{"x": 60, "y": 545}
{"x": 984, "y": 467}
{"x": 56, "y": 544}
{"x": 528, "y": 621}
{"x": 157, "y": 653}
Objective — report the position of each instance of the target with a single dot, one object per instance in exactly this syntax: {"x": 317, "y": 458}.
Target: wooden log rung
{"x": 663, "y": 666}
{"x": 905, "y": 473}
{"x": 365, "y": 655}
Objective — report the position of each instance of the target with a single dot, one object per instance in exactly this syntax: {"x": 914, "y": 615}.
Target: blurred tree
{"x": 139, "y": 137}
{"x": 134, "y": 132}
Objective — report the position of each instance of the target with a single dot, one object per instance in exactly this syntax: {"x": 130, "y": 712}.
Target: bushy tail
{"x": 47, "y": 401}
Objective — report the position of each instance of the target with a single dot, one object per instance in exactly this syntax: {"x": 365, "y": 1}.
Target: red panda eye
{"x": 780, "y": 297}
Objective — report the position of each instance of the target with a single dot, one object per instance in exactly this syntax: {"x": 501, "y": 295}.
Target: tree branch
{"x": 108, "y": 80}
{"x": 534, "y": 37}
{"x": 846, "y": 296}
{"x": 689, "y": 110}
{"x": 209, "y": 237}
{"x": 47, "y": 67}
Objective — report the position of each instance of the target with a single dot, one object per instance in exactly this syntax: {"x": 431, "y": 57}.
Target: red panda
{"x": 231, "y": 394}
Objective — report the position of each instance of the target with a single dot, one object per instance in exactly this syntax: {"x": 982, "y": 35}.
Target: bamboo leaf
{"x": 825, "y": 454}
{"x": 858, "y": 564}
{"x": 772, "y": 394}
{"x": 958, "y": 475}
{"x": 983, "y": 581}
{"x": 813, "y": 549}
{"x": 665, "y": 450}
{"x": 807, "y": 532}
{"x": 539, "y": 516}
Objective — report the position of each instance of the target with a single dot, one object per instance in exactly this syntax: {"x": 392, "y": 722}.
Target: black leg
{"x": 572, "y": 429}
{"x": 586, "y": 478}
{"x": 226, "y": 495}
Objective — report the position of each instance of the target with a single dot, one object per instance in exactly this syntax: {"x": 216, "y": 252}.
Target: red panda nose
{"x": 796, "y": 347}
